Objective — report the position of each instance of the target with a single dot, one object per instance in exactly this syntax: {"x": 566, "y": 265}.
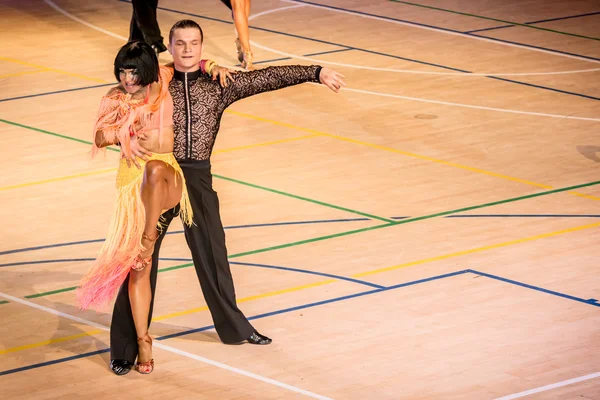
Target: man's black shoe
{"x": 257, "y": 338}
{"x": 120, "y": 367}
{"x": 159, "y": 47}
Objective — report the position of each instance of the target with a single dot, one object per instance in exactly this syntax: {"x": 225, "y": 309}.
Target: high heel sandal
{"x": 144, "y": 367}
{"x": 245, "y": 58}
{"x": 140, "y": 262}
{"x": 238, "y": 49}
{"x": 247, "y": 63}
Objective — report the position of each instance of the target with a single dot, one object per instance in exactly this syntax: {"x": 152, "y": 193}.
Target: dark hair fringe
{"x": 140, "y": 56}
{"x": 183, "y": 24}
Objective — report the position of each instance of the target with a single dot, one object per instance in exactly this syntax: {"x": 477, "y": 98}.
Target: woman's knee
{"x": 156, "y": 171}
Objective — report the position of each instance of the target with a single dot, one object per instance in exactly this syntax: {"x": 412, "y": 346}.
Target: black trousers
{"x": 206, "y": 240}
{"x": 144, "y": 25}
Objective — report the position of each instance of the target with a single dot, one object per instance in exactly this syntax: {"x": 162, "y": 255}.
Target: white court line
{"x": 358, "y": 14}
{"x": 462, "y": 74}
{"x": 549, "y": 387}
{"x": 171, "y": 349}
{"x": 467, "y": 105}
{"x": 260, "y": 14}
{"x": 406, "y": 71}
{"x": 60, "y": 10}
{"x": 364, "y": 91}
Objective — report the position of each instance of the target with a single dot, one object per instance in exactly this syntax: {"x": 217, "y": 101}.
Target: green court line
{"x": 408, "y": 220}
{"x": 33, "y": 296}
{"x": 304, "y": 198}
{"x": 351, "y": 232}
{"x": 494, "y": 19}
{"x": 216, "y": 176}
{"x": 52, "y": 133}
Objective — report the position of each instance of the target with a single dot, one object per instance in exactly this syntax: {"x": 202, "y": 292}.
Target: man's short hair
{"x": 183, "y": 24}
{"x": 138, "y": 55}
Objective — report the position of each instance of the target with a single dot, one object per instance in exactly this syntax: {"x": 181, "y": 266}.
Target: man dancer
{"x": 199, "y": 103}
{"x": 144, "y": 25}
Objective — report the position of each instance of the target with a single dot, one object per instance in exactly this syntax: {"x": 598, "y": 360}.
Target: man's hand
{"x": 332, "y": 79}
{"x": 137, "y": 151}
{"x": 223, "y": 74}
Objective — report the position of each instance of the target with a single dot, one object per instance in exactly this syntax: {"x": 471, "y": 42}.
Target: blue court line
{"x": 328, "y": 52}
{"x": 49, "y": 246}
{"x": 112, "y": 84}
{"x": 319, "y": 303}
{"x": 345, "y": 47}
{"x": 57, "y": 361}
{"x": 534, "y": 22}
{"x": 58, "y": 91}
{"x": 544, "y": 87}
{"x": 268, "y": 61}
{"x": 2, "y": 253}
{"x": 523, "y": 216}
{"x": 371, "y": 51}
{"x": 360, "y": 49}
{"x": 489, "y": 29}
{"x": 591, "y": 302}
{"x": 562, "y": 18}
{"x": 304, "y": 271}
{"x": 394, "y": 56}
{"x": 305, "y": 55}
{"x": 65, "y": 260}
{"x": 439, "y": 28}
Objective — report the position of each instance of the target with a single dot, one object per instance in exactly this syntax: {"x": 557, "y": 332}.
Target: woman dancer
{"x": 139, "y": 109}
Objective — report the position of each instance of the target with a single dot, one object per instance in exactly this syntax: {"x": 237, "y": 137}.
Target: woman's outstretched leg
{"x": 161, "y": 189}
{"x": 241, "y": 13}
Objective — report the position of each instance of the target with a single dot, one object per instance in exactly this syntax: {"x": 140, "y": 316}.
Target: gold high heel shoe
{"x": 247, "y": 63}
{"x": 238, "y": 49}
{"x": 140, "y": 261}
{"x": 144, "y": 367}
{"x": 245, "y": 58}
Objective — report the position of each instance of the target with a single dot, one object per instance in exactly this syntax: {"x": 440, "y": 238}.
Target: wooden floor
{"x": 431, "y": 232}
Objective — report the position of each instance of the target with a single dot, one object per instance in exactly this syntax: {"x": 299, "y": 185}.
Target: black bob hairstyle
{"x": 138, "y": 55}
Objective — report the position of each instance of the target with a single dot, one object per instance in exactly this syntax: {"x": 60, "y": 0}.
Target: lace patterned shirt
{"x": 199, "y": 103}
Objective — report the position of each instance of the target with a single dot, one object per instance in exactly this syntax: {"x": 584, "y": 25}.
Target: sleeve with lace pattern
{"x": 268, "y": 79}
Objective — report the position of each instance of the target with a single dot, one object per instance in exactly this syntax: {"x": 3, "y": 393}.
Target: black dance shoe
{"x": 159, "y": 47}
{"x": 120, "y": 367}
{"x": 257, "y": 338}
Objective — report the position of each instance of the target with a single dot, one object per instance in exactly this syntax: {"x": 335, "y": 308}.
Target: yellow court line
{"x": 477, "y": 250}
{"x": 325, "y": 282}
{"x": 249, "y": 298}
{"x": 271, "y": 121}
{"x": 60, "y": 71}
{"x": 409, "y": 264}
{"x": 35, "y": 71}
{"x": 61, "y": 178}
{"x": 406, "y": 153}
{"x": 251, "y": 146}
{"x": 167, "y": 316}
{"x": 50, "y": 341}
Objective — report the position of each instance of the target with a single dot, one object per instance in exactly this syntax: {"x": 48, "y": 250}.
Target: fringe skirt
{"x": 123, "y": 242}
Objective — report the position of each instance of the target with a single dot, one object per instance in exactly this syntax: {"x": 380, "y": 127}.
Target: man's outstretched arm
{"x": 273, "y": 78}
